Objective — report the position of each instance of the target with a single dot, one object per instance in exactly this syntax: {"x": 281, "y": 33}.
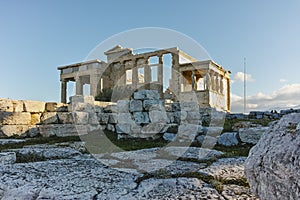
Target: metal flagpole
{"x": 245, "y": 102}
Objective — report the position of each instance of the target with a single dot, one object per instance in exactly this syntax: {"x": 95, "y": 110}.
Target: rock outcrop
{"x": 273, "y": 165}
{"x": 141, "y": 174}
{"x": 251, "y": 135}
{"x": 228, "y": 139}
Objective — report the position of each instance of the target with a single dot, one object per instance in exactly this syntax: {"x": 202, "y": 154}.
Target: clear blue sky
{"x": 38, "y": 36}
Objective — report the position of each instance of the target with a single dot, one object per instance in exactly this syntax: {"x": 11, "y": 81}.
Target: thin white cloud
{"x": 235, "y": 97}
{"x": 285, "y": 97}
{"x": 282, "y": 80}
{"x": 239, "y": 76}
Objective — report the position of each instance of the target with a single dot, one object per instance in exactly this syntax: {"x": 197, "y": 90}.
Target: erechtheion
{"x": 181, "y": 76}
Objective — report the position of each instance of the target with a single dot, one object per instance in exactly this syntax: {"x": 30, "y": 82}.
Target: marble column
{"x": 147, "y": 74}
{"x": 160, "y": 75}
{"x": 63, "y": 91}
{"x": 175, "y": 84}
{"x": 79, "y": 86}
{"x": 135, "y": 76}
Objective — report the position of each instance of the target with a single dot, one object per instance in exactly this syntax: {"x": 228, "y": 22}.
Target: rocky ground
{"x": 65, "y": 171}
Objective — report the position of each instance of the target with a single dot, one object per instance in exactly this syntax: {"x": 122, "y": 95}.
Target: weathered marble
{"x": 273, "y": 165}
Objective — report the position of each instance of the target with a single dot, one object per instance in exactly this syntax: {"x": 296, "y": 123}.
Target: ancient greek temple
{"x": 173, "y": 73}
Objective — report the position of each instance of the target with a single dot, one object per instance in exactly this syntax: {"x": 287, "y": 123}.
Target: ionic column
{"x": 147, "y": 73}
{"x": 175, "y": 81}
{"x": 135, "y": 76}
{"x": 160, "y": 75}
{"x": 63, "y": 91}
{"x": 79, "y": 86}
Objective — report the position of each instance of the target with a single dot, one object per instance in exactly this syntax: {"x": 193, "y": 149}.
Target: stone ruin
{"x": 145, "y": 115}
{"x": 173, "y": 73}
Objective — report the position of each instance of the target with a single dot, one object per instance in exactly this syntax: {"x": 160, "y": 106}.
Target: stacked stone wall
{"x": 34, "y": 118}
{"x": 145, "y": 115}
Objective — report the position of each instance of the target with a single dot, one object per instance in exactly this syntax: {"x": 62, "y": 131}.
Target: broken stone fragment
{"x": 14, "y": 130}
{"x": 103, "y": 118}
{"x": 111, "y": 109}
{"x": 169, "y": 136}
{"x": 34, "y": 106}
{"x": 136, "y": 106}
{"x": 187, "y": 132}
{"x": 228, "y": 139}
{"x": 62, "y": 130}
{"x": 141, "y": 117}
{"x": 93, "y": 119}
{"x": 82, "y": 98}
{"x": 18, "y": 105}
{"x": 80, "y": 106}
{"x": 151, "y": 130}
{"x": 6, "y": 105}
{"x": 153, "y": 105}
{"x": 123, "y": 106}
{"x": 189, "y": 106}
{"x": 125, "y": 118}
{"x": 81, "y": 117}
{"x": 15, "y": 118}
{"x": 33, "y": 131}
{"x": 49, "y": 118}
{"x": 35, "y": 118}
{"x": 65, "y": 117}
{"x": 123, "y": 128}
{"x": 252, "y": 135}
{"x": 158, "y": 116}
{"x": 146, "y": 94}
{"x": 56, "y": 107}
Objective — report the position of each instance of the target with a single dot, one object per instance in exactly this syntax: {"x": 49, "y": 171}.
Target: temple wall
{"x": 145, "y": 115}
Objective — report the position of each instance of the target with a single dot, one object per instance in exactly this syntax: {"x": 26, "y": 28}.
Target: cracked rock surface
{"x": 142, "y": 174}
{"x": 273, "y": 165}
